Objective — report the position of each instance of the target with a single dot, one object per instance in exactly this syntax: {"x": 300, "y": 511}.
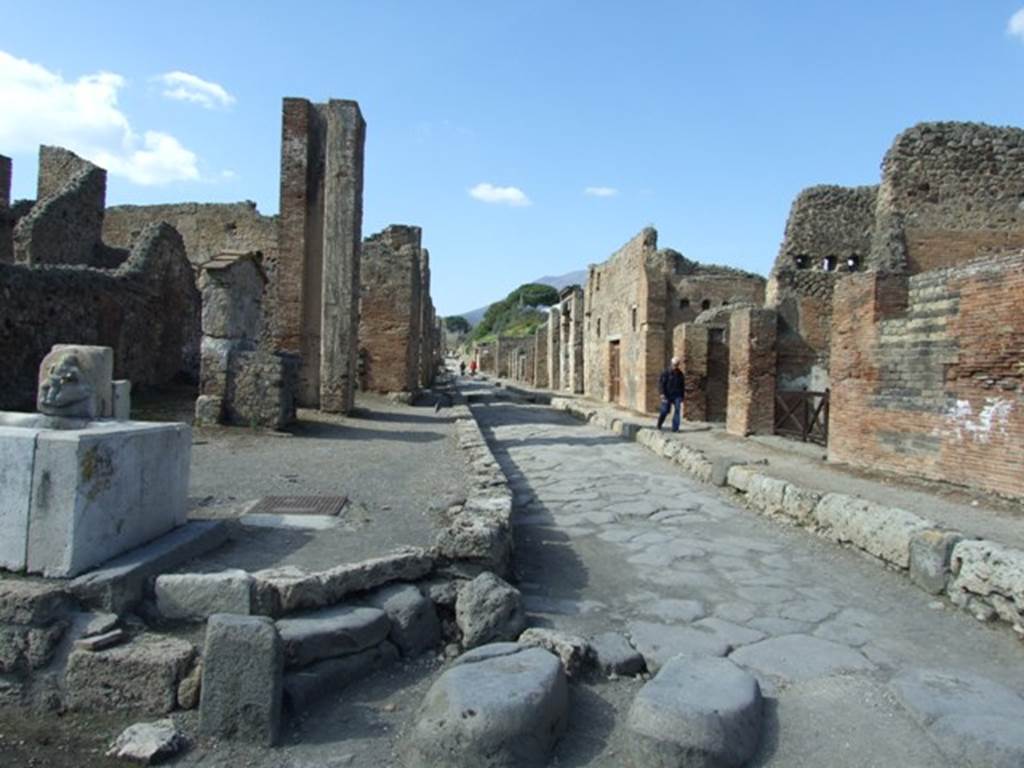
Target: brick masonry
{"x": 390, "y": 333}
{"x": 928, "y": 372}
{"x": 751, "y": 403}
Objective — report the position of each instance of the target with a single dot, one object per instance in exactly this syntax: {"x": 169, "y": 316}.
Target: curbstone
{"x": 992, "y": 573}
{"x": 884, "y": 532}
{"x": 930, "y": 556}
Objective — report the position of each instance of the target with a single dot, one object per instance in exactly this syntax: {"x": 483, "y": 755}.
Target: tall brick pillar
{"x": 343, "y": 234}
{"x": 540, "y": 357}
{"x": 6, "y": 221}
{"x": 555, "y": 349}
{"x": 751, "y": 408}
{"x": 296, "y": 325}
{"x": 690, "y": 343}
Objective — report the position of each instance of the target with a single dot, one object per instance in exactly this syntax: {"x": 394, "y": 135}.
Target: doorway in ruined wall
{"x": 614, "y": 372}
{"x": 716, "y": 386}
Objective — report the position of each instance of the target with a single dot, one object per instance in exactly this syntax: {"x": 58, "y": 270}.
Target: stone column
{"x": 751, "y": 407}
{"x": 342, "y": 237}
{"x": 690, "y": 344}
{"x": 297, "y": 284}
{"x": 6, "y": 220}
{"x": 540, "y": 357}
{"x": 554, "y": 348}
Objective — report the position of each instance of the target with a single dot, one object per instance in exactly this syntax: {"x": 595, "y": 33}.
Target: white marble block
{"x": 17, "y": 453}
{"x": 99, "y": 491}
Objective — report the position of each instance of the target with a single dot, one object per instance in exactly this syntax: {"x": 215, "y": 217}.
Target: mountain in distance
{"x": 558, "y": 282}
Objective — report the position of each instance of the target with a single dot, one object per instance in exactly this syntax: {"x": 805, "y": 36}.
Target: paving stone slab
{"x": 675, "y": 610}
{"x": 733, "y": 634}
{"x": 981, "y": 741}
{"x": 614, "y": 656}
{"x": 337, "y": 631}
{"x": 660, "y": 642}
{"x": 800, "y": 657}
{"x": 696, "y": 712}
{"x": 930, "y": 694}
{"x": 506, "y": 710}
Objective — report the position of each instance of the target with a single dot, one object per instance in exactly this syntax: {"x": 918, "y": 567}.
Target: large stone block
{"x": 991, "y": 572}
{"x": 414, "y": 624}
{"x": 100, "y": 491}
{"x": 141, "y": 675}
{"x": 884, "y": 532}
{"x": 243, "y": 664}
{"x": 200, "y": 595}
{"x": 17, "y": 455}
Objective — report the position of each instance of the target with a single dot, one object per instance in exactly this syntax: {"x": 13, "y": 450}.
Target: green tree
{"x": 457, "y": 324}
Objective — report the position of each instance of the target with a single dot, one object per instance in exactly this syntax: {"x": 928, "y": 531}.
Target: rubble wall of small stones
{"x": 147, "y": 310}
{"x": 927, "y": 374}
{"x": 955, "y": 190}
{"x": 65, "y": 224}
{"x": 390, "y": 312}
{"x": 824, "y": 221}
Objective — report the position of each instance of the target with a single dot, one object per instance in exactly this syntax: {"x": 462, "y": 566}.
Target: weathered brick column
{"x": 343, "y": 233}
{"x": 540, "y": 357}
{"x": 690, "y": 344}
{"x": 751, "y": 408}
{"x": 554, "y": 330}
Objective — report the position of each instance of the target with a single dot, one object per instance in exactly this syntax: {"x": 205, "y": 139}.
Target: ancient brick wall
{"x": 6, "y": 216}
{"x": 690, "y": 341}
{"x": 65, "y": 224}
{"x": 751, "y": 399}
{"x": 390, "y": 337}
{"x": 954, "y": 189}
{"x": 147, "y": 310}
{"x": 540, "y": 357}
{"x": 927, "y": 372}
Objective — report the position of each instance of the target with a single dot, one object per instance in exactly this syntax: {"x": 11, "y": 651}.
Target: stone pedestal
{"x": 71, "y": 499}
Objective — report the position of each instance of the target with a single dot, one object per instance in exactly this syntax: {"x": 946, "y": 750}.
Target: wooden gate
{"x": 802, "y": 414}
{"x": 614, "y": 374}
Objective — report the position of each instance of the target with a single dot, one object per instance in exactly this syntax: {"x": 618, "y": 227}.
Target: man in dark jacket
{"x": 672, "y": 386}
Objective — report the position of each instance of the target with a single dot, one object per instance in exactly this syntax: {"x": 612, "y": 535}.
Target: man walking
{"x": 672, "y": 387}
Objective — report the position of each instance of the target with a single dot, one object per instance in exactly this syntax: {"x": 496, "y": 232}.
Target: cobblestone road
{"x": 860, "y": 667}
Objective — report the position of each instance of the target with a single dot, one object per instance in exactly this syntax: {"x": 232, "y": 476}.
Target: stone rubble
{"x": 148, "y": 743}
{"x": 489, "y": 609}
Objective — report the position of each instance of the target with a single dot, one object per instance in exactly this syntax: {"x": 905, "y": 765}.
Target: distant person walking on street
{"x": 462, "y": 368}
{"x": 472, "y": 367}
{"x": 672, "y": 386}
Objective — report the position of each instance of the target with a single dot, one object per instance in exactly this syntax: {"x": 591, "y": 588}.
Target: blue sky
{"x": 703, "y": 119}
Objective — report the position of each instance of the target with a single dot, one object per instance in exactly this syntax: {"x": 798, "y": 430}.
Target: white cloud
{"x": 182, "y": 86}
{"x": 1015, "y": 26}
{"x": 600, "y": 191}
{"x": 41, "y": 107}
{"x": 489, "y": 193}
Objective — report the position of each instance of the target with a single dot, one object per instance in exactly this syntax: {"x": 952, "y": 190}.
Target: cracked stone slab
{"x": 660, "y": 642}
{"x": 800, "y": 657}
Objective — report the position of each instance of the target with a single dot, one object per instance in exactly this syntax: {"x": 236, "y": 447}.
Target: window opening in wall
{"x": 725, "y": 302}
{"x": 684, "y": 303}
{"x": 599, "y": 326}
{"x": 853, "y": 262}
{"x": 706, "y": 304}
{"x": 597, "y": 277}
{"x": 829, "y": 263}
{"x": 802, "y": 261}
{"x": 633, "y": 313}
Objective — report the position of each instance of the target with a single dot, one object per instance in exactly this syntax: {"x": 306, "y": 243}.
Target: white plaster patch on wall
{"x": 990, "y": 420}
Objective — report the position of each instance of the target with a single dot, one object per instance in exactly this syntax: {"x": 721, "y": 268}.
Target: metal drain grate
{"x": 330, "y": 506}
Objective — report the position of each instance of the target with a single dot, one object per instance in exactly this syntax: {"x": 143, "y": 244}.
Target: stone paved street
{"x": 610, "y": 537}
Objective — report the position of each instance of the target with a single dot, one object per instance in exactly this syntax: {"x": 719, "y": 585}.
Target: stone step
{"x": 305, "y": 686}
{"x": 339, "y": 631}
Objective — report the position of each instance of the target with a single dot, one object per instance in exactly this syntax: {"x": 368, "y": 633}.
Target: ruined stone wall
{"x": 927, "y": 373}
{"x": 390, "y": 335}
{"x": 65, "y": 224}
{"x": 425, "y": 354}
{"x": 828, "y": 236}
{"x": 751, "y": 396}
{"x": 554, "y": 329}
{"x": 147, "y": 310}
{"x": 955, "y": 191}
{"x": 617, "y": 306}
{"x": 6, "y": 215}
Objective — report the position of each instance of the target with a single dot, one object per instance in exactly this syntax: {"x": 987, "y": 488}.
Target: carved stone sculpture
{"x": 75, "y": 381}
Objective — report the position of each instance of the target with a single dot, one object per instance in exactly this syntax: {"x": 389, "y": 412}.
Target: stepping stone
{"x": 336, "y": 631}
{"x": 660, "y": 642}
{"x": 200, "y": 595}
{"x": 800, "y": 657}
{"x": 615, "y": 656}
{"x": 414, "y": 624}
{"x": 695, "y": 712}
{"x": 506, "y": 708}
{"x": 240, "y": 696}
